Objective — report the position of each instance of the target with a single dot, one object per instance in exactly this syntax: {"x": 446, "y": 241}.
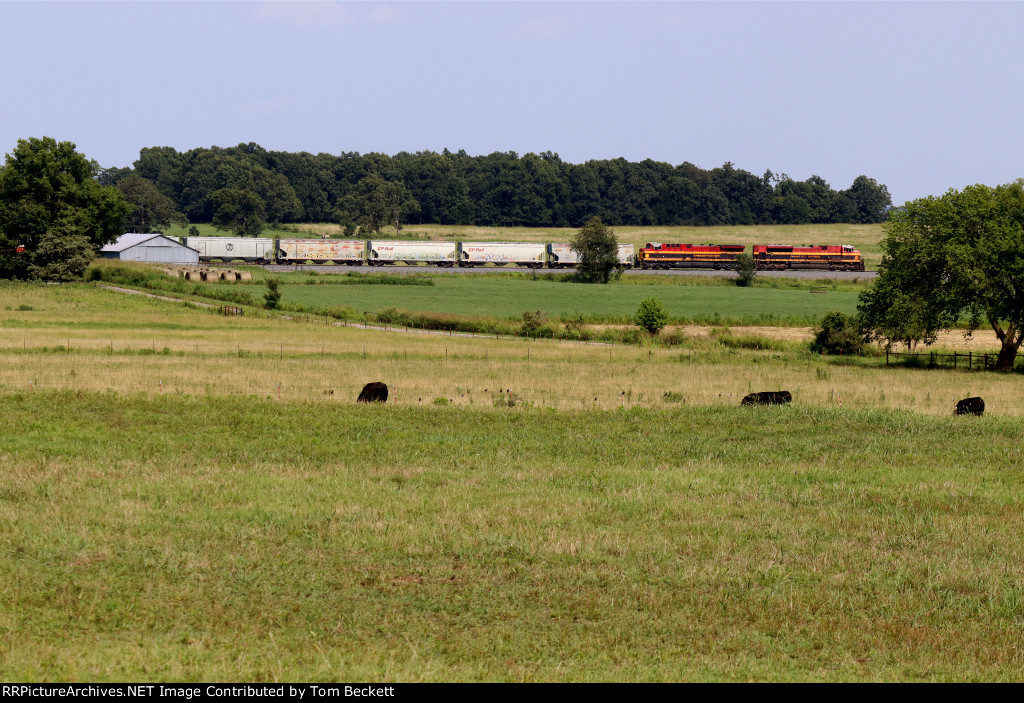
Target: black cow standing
{"x": 375, "y": 392}
{"x": 768, "y": 398}
{"x": 970, "y": 406}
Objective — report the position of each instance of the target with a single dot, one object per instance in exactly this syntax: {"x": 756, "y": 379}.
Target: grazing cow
{"x": 970, "y": 406}
{"x": 376, "y": 392}
{"x": 768, "y": 398}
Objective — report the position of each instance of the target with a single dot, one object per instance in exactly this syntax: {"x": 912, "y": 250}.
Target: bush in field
{"x": 745, "y": 270}
{"x": 838, "y": 333}
{"x": 651, "y": 315}
{"x": 272, "y": 297}
{"x": 532, "y": 321}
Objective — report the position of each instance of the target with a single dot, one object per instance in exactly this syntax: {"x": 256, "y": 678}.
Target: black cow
{"x": 768, "y": 398}
{"x": 970, "y": 406}
{"x": 376, "y": 392}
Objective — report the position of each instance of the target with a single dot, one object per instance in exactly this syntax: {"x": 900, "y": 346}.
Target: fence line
{"x": 956, "y": 360}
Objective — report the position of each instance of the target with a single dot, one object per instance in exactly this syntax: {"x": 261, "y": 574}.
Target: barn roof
{"x": 131, "y": 239}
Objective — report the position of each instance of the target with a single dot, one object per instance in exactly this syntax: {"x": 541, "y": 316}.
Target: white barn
{"x": 154, "y": 248}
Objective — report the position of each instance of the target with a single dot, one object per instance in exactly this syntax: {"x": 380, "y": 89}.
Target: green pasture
{"x": 176, "y": 539}
{"x": 505, "y": 298}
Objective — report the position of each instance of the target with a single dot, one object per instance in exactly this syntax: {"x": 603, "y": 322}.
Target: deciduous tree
{"x": 48, "y": 194}
{"x": 378, "y": 202}
{"x": 153, "y": 210}
{"x": 955, "y": 257}
{"x": 597, "y": 250}
{"x": 238, "y": 211}
{"x": 651, "y": 315}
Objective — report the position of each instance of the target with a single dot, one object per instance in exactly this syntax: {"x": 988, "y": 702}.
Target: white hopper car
{"x": 393, "y": 252}
{"x": 502, "y": 253}
{"x": 562, "y": 256}
{"x": 232, "y": 248}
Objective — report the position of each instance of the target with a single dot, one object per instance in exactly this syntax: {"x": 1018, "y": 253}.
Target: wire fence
{"x": 969, "y": 361}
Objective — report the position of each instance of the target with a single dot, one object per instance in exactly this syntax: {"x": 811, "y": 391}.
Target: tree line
{"x": 243, "y": 187}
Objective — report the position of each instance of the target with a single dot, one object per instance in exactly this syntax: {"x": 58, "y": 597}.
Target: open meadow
{"x": 189, "y": 496}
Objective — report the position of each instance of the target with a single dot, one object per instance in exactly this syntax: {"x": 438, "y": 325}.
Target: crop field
{"x": 504, "y": 298}
{"x": 188, "y": 496}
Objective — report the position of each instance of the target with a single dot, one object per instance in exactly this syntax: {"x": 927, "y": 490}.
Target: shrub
{"x": 532, "y": 321}
{"x": 651, "y": 315}
{"x": 838, "y": 333}
{"x": 745, "y": 270}
{"x": 273, "y": 296}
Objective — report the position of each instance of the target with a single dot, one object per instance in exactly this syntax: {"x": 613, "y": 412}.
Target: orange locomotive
{"x": 833, "y": 257}
{"x": 656, "y": 255}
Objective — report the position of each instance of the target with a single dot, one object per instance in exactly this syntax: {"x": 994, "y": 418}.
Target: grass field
{"x": 503, "y": 298}
{"x": 298, "y": 541}
{"x": 89, "y": 339}
{"x": 187, "y": 496}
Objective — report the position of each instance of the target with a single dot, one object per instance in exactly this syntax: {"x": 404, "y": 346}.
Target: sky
{"x": 921, "y": 96}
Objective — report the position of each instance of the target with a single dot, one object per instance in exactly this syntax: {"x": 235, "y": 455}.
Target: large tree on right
{"x": 951, "y": 258}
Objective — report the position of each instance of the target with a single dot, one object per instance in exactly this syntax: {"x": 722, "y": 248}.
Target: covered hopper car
{"x": 562, "y": 256}
{"x": 255, "y": 249}
{"x": 351, "y": 252}
{"x": 503, "y": 253}
{"x": 393, "y": 252}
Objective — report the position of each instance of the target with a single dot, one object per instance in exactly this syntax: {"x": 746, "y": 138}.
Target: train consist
{"x": 654, "y": 255}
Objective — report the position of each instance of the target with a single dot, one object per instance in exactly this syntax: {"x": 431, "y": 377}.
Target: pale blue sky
{"x": 921, "y": 96}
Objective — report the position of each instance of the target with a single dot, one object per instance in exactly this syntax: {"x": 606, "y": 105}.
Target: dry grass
{"x": 119, "y": 343}
{"x": 982, "y": 341}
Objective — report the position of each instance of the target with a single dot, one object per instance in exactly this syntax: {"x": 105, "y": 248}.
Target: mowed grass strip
{"x": 173, "y": 539}
{"x": 503, "y": 298}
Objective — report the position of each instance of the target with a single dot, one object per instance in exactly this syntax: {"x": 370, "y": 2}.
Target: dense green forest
{"x": 239, "y": 188}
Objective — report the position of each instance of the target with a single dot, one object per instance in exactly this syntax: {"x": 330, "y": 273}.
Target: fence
{"x": 957, "y": 360}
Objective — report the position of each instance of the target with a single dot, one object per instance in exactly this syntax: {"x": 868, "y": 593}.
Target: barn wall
{"x": 164, "y": 252}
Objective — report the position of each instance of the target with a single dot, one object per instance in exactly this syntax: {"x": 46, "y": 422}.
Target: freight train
{"x": 654, "y": 255}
